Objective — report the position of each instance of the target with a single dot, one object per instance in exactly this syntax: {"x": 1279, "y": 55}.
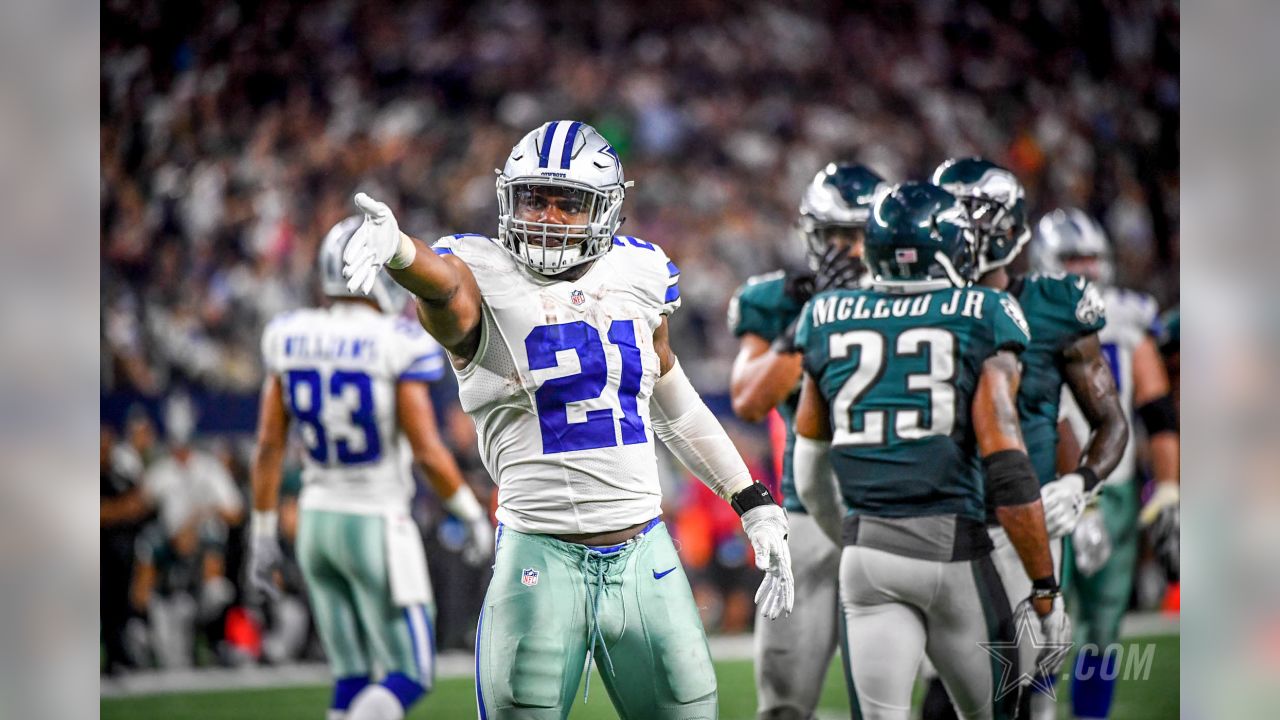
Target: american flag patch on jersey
{"x": 577, "y": 298}
{"x": 529, "y": 577}
{"x": 905, "y": 255}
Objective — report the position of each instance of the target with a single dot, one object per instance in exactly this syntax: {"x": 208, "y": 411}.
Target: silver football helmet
{"x": 385, "y": 292}
{"x": 1068, "y": 233}
{"x": 560, "y": 197}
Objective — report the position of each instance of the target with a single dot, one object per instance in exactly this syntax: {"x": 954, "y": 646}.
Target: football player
{"x": 557, "y": 331}
{"x": 1065, "y": 314}
{"x": 353, "y": 378}
{"x": 910, "y": 396}
{"x": 792, "y": 654}
{"x": 1071, "y": 241}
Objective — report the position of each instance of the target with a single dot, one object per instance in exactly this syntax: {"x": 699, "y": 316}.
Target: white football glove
{"x": 264, "y": 555}
{"x": 1054, "y": 635}
{"x": 464, "y": 505}
{"x": 377, "y": 242}
{"x": 479, "y": 547}
{"x": 1064, "y": 502}
{"x": 766, "y": 526}
{"x": 1166, "y": 495}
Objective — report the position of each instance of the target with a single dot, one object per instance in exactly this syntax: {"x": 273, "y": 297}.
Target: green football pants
{"x": 1098, "y": 602}
{"x": 343, "y": 558}
{"x": 552, "y": 605}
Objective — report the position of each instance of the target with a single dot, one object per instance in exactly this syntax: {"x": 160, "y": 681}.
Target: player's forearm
{"x": 440, "y": 468}
{"x": 1088, "y": 375}
{"x": 1165, "y": 449}
{"x": 1025, "y": 526}
{"x": 428, "y": 275}
{"x": 265, "y": 474}
{"x": 817, "y": 486}
{"x": 692, "y": 433}
{"x": 763, "y": 382}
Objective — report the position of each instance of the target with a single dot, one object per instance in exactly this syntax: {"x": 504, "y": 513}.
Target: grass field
{"x": 1155, "y": 698}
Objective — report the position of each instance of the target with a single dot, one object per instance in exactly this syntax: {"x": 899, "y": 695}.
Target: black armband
{"x": 1159, "y": 415}
{"x": 751, "y": 497}
{"x": 1011, "y": 480}
{"x": 1091, "y": 478}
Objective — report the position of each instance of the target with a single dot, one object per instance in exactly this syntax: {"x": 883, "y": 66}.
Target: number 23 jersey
{"x": 338, "y": 369}
{"x": 560, "y": 384}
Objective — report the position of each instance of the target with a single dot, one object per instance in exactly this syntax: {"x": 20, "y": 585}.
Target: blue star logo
{"x": 1049, "y": 658}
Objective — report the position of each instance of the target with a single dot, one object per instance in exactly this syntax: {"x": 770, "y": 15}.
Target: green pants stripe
{"x": 343, "y": 559}
{"x": 551, "y": 603}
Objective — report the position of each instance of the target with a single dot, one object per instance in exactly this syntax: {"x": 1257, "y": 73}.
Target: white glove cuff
{"x": 263, "y": 523}
{"x": 463, "y": 505}
{"x": 405, "y": 254}
{"x": 682, "y": 420}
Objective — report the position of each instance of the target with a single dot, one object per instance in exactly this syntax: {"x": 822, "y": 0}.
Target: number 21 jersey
{"x": 559, "y": 388}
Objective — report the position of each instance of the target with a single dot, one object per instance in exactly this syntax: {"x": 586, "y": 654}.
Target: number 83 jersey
{"x": 338, "y": 370}
{"x": 560, "y": 384}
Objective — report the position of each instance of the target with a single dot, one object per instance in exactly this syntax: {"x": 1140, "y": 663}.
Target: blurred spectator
{"x": 182, "y": 575}
{"x": 122, "y": 509}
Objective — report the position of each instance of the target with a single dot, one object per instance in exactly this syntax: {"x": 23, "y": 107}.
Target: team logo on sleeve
{"x": 577, "y": 298}
{"x": 1014, "y": 311}
{"x": 529, "y": 577}
{"x": 1091, "y": 306}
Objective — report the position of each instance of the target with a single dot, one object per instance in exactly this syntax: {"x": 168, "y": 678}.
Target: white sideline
{"x": 450, "y": 664}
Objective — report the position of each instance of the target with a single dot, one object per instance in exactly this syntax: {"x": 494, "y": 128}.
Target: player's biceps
{"x": 994, "y": 414}
{"x": 813, "y": 414}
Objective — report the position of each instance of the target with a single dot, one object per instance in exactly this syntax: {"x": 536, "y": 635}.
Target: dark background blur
{"x": 233, "y": 135}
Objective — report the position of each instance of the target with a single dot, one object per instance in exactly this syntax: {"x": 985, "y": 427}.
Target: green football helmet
{"x": 997, "y": 206}
{"x": 840, "y": 196}
{"x": 920, "y": 238}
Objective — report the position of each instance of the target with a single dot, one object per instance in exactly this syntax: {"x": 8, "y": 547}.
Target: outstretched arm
{"x": 1011, "y": 479}
{"x": 762, "y": 377}
{"x": 448, "y": 296}
{"x": 691, "y": 432}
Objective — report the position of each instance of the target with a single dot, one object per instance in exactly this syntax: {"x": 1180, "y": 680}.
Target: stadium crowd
{"x": 234, "y": 134}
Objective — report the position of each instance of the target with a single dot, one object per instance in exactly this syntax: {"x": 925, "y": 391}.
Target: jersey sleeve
{"x": 271, "y": 345}
{"x": 1089, "y": 310}
{"x": 750, "y": 310}
{"x": 809, "y": 343}
{"x": 418, "y": 357}
{"x": 651, "y": 274}
{"x": 1009, "y": 326}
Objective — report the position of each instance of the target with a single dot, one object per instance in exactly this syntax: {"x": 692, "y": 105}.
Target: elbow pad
{"x": 1159, "y": 415}
{"x": 685, "y": 424}
{"x": 1011, "y": 480}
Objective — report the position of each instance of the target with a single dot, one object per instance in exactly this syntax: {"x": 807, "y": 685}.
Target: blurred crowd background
{"x": 233, "y": 135}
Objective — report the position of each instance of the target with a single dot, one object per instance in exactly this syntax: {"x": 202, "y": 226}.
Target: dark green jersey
{"x": 762, "y": 307}
{"x": 1059, "y": 310}
{"x": 899, "y": 373}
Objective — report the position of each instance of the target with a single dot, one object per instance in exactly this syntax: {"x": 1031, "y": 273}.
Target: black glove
{"x": 799, "y": 287}
{"x": 837, "y": 269}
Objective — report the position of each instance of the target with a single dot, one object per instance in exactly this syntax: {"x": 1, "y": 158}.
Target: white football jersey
{"x": 339, "y": 367}
{"x": 1131, "y": 317}
{"x": 559, "y": 387}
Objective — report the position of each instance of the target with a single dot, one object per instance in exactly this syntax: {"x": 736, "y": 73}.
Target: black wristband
{"x": 751, "y": 497}
{"x": 1011, "y": 479}
{"x": 1045, "y": 587}
{"x": 1091, "y": 478}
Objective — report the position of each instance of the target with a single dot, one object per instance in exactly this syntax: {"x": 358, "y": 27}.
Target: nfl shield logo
{"x": 905, "y": 255}
{"x": 529, "y": 577}
{"x": 577, "y": 298}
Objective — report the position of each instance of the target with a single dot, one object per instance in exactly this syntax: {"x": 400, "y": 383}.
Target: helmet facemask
{"x": 554, "y": 224}
{"x": 820, "y": 236}
{"x": 999, "y": 235}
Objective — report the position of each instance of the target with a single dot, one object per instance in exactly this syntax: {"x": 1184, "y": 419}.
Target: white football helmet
{"x": 385, "y": 292}
{"x": 570, "y": 163}
{"x": 1067, "y": 233}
